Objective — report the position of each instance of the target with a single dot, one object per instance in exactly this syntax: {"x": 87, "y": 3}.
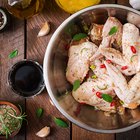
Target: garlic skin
{"x": 44, "y": 132}
{"x": 133, "y": 18}
{"x": 44, "y": 30}
{"x": 135, "y": 4}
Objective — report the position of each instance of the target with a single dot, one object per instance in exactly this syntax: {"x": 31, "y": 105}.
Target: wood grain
{"x": 35, "y": 50}
{"x": 11, "y": 39}
{"x": 123, "y": 2}
{"x": 135, "y": 133}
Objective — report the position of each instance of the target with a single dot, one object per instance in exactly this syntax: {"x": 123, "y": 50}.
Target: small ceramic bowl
{"x": 17, "y": 112}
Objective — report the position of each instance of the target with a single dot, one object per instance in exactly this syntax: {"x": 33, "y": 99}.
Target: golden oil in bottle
{"x": 24, "y": 9}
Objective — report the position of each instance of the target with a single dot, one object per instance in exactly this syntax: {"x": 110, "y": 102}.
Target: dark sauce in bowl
{"x": 26, "y": 78}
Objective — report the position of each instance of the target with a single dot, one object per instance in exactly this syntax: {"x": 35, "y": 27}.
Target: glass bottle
{"x": 24, "y": 9}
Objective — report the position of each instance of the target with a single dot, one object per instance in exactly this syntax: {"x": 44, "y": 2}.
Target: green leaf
{"x": 92, "y": 67}
{"x": 79, "y": 36}
{"x": 107, "y": 98}
{"x": 94, "y": 76}
{"x": 13, "y": 54}
{"x": 113, "y": 30}
{"x": 132, "y": 58}
{"x": 60, "y": 122}
{"x": 39, "y": 112}
{"x": 76, "y": 85}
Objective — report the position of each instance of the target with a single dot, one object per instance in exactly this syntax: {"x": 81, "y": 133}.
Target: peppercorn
{"x": 4, "y": 19}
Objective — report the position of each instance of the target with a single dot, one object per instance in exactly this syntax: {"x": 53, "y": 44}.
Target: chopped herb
{"x": 131, "y": 59}
{"x": 113, "y": 30}
{"x": 79, "y": 36}
{"x": 84, "y": 49}
{"x": 76, "y": 85}
{"x": 102, "y": 88}
{"x": 13, "y": 54}
{"x": 121, "y": 102}
{"x": 85, "y": 27}
{"x": 39, "y": 112}
{"x": 107, "y": 98}
{"x": 67, "y": 92}
{"x": 94, "y": 76}
{"x": 92, "y": 67}
{"x": 60, "y": 122}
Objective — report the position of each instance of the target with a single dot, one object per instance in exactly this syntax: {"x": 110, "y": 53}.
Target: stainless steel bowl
{"x": 55, "y": 62}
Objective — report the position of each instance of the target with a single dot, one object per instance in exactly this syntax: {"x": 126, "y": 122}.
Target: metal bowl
{"x": 54, "y": 68}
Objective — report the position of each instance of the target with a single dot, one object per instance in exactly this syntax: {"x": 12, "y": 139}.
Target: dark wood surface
{"x": 22, "y": 35}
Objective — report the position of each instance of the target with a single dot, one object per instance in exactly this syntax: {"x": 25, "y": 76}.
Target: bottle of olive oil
{"x": 24, "y": 9}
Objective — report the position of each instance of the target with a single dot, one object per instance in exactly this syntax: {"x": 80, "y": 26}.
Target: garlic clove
{"x": 135, "y": 4}
{"x": 44, "y": 30}
{"x": 133, "y": 18}
{"x": 44, "y": 132}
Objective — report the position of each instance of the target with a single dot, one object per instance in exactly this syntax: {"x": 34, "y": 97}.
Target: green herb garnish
{"x": 79, "y": 36}
{"x": 10, "y": 121}
{"x": 107, "y": 98}
{"x": 39, "y": 112}
{"x": 121, "y": 102}
{"x": 76, "y": 85}
{"x": 84, "y": 49}
{"x": 102, "y": 88}
{"x": 131, "y": 59}
{"x": 92, "y": 67}
{"x": 113, "y": 30}
{"x": 94, "y": 76}
{"x": 13, "y": 54}
{"x": 60, "y": 122}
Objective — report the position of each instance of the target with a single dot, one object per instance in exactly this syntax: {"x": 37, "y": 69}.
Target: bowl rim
{"x": 46, "y": 72}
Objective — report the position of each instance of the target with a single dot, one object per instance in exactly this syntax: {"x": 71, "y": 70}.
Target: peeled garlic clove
{"x": 44, "y": 132}
{"x": 44, "y": 30}
{"x": 135, "y": 4}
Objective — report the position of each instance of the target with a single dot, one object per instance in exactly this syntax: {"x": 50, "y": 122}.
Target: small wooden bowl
{"x": 17, "y": 111}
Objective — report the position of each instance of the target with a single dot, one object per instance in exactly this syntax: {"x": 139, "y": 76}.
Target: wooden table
{"x": 22, "y": 35}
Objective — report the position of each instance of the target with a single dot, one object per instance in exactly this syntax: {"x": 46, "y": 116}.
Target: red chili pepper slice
{"x": 78, "y": 108}
{"x": 93, "y": 90}
{"x": 82, "y": 103}
{"x": 67, "y": 47}
{"x": 124, "y": 67}
{"x": 133, "y": 49}
{"x": 109, "y": 61}
{"x": 99, "y": 94}
{"x": 112, "y": 104}
{"x": 102, "y": 66}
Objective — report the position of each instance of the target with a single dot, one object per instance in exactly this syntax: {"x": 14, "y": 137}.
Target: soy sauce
{"x": 26, "y": 78}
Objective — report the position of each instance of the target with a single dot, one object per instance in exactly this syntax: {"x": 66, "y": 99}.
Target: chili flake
{"x": 93, "y": 90}
{"x": 99, "y": 94}
{"x": 124, "y": 67}
{"x": 102, "y": 66}
{"x": 133, "y": 49}
{"x": 112, "y": 104}
{"x": 109, "y": 61}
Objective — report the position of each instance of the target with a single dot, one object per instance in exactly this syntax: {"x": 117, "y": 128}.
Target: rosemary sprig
{"x": 10, "y": 121}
